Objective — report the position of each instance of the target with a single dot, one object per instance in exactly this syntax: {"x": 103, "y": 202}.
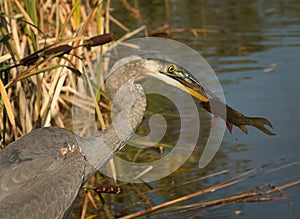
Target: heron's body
{"x": 42, "y": 172}
{"x": 29, "y": 167}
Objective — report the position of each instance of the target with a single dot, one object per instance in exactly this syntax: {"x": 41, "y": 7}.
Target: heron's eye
{"x": 171, "y": 69}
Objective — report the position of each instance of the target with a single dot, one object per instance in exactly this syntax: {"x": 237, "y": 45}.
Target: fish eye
{"x": 171, "y": 69}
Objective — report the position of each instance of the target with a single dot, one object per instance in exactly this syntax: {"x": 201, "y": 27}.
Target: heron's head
{"x": 176, "y": 76}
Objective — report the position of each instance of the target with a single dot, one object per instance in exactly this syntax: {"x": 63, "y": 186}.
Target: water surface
{"x": 254, "y": 47}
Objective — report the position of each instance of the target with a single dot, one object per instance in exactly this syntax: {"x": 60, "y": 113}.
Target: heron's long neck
{"x": 129, "y": 103}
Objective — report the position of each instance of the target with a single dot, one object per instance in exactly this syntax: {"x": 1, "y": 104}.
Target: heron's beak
{"x": 191, "y": 86}
{"x": 193, "y": 89}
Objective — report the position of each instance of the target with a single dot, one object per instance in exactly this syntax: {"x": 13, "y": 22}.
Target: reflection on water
{"x": 240, "y": 39}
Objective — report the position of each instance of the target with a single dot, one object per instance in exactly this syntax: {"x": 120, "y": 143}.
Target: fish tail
{"x": 260, "y": 124}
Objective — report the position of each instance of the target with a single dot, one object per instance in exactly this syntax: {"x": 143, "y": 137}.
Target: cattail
{"x": 115, "y": 189}
{"x": 59, "y": 50}
{"x": 100, "y": 39}
{"x": 30, "y": 59}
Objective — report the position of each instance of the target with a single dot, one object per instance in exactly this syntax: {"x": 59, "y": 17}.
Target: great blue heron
{"x": 42, "y": 172}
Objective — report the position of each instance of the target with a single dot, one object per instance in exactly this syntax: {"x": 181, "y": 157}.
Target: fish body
{"x": 233, "y": 117}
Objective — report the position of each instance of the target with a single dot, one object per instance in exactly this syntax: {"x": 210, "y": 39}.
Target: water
{"x": 255, "y": 50}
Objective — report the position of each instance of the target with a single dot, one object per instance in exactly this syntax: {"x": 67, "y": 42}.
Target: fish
{"x": 234, "y": 118}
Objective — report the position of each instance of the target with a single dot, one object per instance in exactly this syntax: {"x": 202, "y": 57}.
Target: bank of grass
{"x": 39, "y": 94}
{"x": 27, "y": 26}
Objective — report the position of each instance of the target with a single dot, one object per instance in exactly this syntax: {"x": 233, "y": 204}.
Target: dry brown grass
{"x": 40, "y": 93}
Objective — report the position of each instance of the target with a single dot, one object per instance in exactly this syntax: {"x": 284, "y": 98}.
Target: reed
{"x": 42, "y": 54}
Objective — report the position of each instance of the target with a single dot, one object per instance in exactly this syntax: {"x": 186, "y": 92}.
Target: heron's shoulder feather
{"x": 38, "y": 172}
